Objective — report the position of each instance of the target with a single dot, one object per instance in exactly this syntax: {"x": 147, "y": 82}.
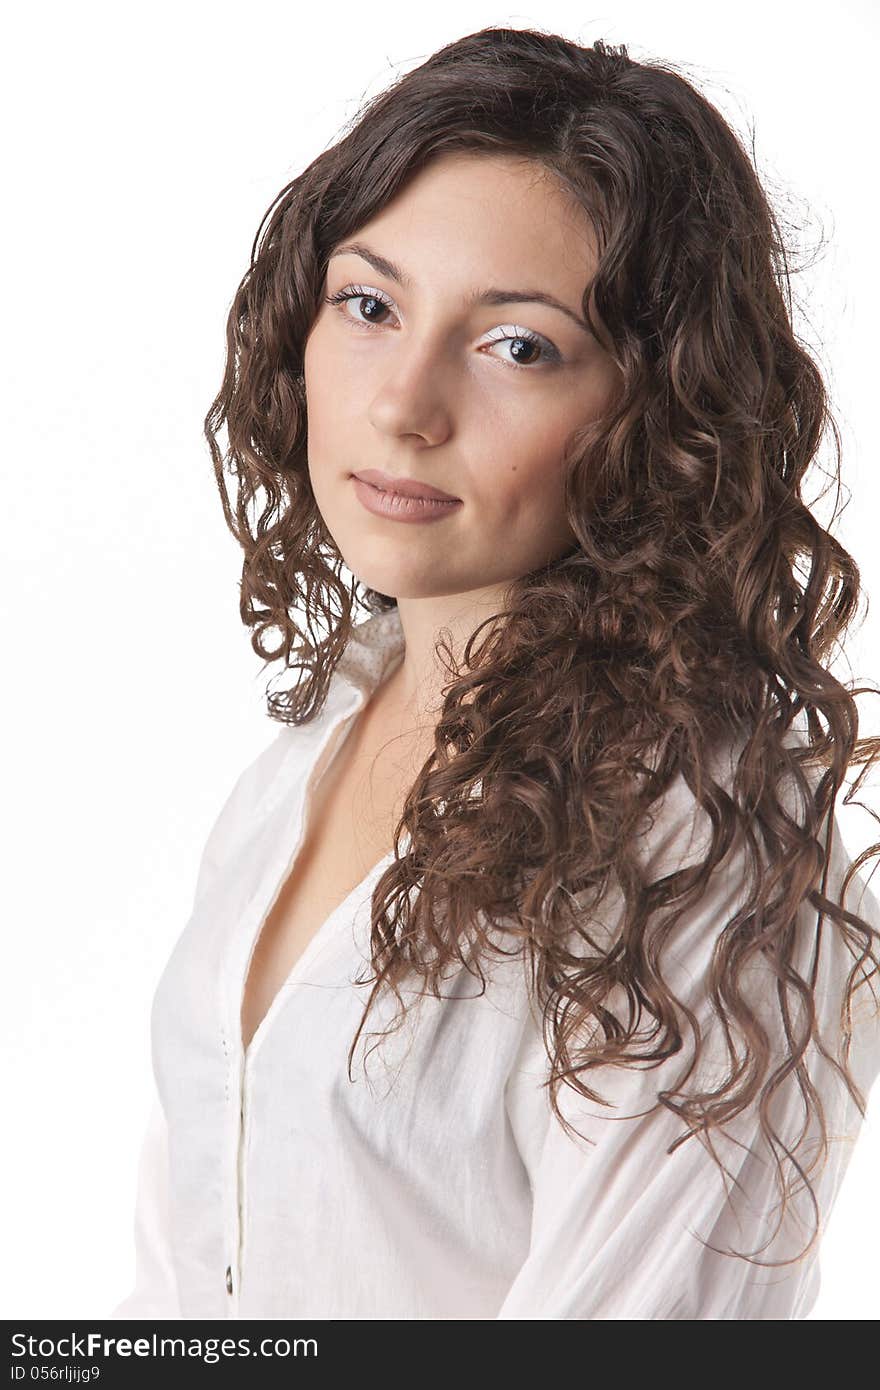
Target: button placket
{"x": 346, "y": 702}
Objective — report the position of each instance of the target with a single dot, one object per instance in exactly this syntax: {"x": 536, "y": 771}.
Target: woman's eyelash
{"x": 357, "y": 292}
{"x": 500, "y": 335}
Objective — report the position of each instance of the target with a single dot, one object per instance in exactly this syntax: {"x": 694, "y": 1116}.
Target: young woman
{"x": 555, "y": 825}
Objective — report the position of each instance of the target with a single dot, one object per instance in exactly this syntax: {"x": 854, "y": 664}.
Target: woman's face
{"x": 421, "y": 375}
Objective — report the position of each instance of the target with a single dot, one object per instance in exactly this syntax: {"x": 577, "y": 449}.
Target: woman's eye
{"x": 369, "y": 302}
{"x": 528, "y": 349}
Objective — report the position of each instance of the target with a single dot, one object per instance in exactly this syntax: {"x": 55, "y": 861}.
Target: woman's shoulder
{"x": 242, "y": 804}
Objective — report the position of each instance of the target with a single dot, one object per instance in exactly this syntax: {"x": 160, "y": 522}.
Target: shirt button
{"x": 229, "y": 1278}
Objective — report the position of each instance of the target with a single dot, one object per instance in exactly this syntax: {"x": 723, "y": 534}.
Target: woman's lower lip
{"x": 399, "y": 508}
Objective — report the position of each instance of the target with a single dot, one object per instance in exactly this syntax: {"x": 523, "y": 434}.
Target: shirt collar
{"x": 371, "y": 648}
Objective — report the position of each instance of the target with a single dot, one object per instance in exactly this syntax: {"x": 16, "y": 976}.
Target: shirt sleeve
{"x": 616, "y": 1218}
{"x": 155, "y": 1290}
{"x": 154, "y": 1294}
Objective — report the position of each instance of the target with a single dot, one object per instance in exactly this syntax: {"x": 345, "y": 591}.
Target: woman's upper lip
{"x": 407, "y": 487}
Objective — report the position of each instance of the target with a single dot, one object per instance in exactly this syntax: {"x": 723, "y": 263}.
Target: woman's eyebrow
{"x": 488, "y": 296}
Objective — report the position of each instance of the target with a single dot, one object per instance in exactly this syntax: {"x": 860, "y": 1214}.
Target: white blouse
{"x": 437, "y": 1183}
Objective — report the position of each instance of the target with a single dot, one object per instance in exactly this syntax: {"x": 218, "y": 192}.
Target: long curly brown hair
{"x": 694, "y": 614}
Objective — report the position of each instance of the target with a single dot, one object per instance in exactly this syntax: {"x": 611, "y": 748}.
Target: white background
{"x": 143, "y": 144}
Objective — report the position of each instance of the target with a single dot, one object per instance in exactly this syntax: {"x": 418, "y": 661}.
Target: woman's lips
{"x": 406, "y": 487}
{"x": 396, "y": 507}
